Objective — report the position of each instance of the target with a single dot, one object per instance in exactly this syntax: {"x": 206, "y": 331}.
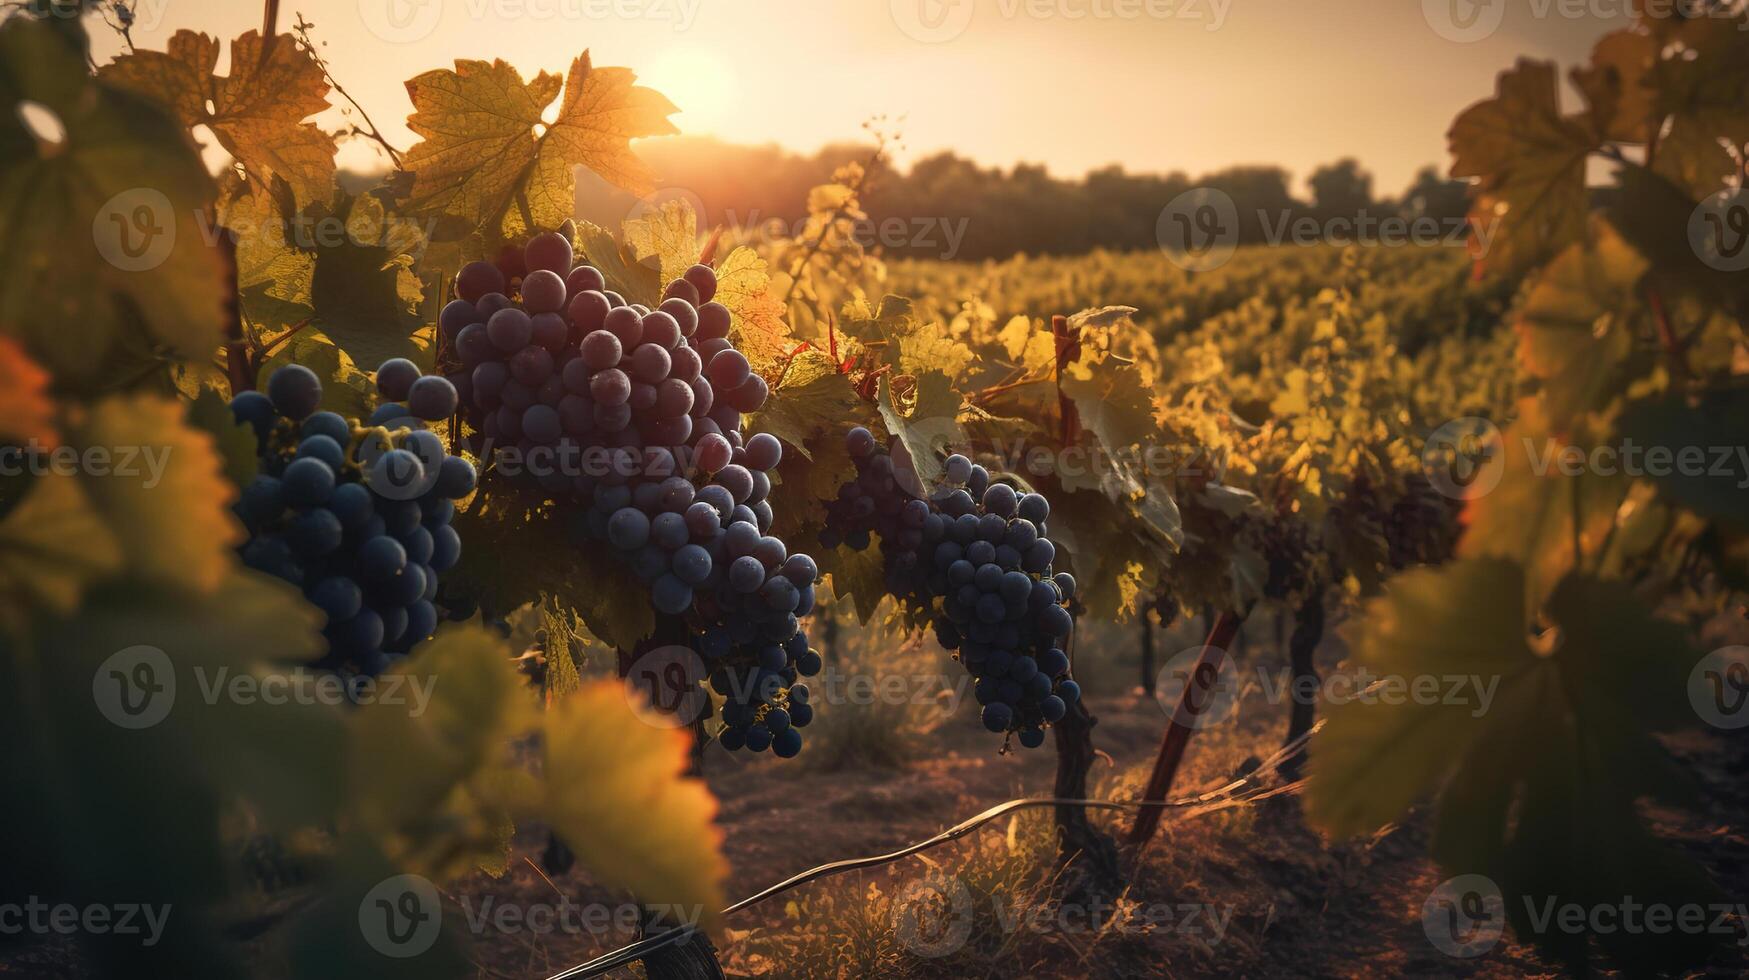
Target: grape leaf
{"x": 27, "y": 413}
{"x": 669, "y": 234}
{"x": 1114, "y": 567}
{"x": 759, "y": 331}
{"x": 235, "y": 441}
{"x": 1116, "y": 408}
{"x": 518, "y": 548}
{"x": 811, "y": 399}
{"x": 1704, "y": 91}
{"x": 625, "y": 271}
{"x": 1690, "y": 437}
{"x": 257, "y": 113}
{"x": 928, "y": 429}
{"x": 218, "y": 745}
{"x": 487, "y": 157}
{"x": 432, "y": 776}
{"x": 162, "y": 491}
{"x": 1529, "y": 163}
{"x": 856, "y": 575}
{"x": 365, "y": 292}
{"x": 123, "y": 183}
{"x": 1615, "y": 85}
{"x": 1551, "y": 508}
{"x": 53, "y": 546}
{"x": 1576, "y": 328}
{"x": 619, "y": 795}
{"x": 1538, "y": 781}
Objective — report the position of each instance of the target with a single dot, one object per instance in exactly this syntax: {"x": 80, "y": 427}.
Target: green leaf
{"x": 1704, "y": 90}
{"x": 365, "y": 292}
{"x": 1538, "y": 760}
{"x": 1700, "y": 447}
{"x": 432, "y": 775}
{"x": 518, "y": 547}
{"x": 54, "y": 545}
{"x": 124, "y": 183}
{"x": 619, "y": 795}
{"x": 235, "y": 441}
{"x": 163, "y": 492}
{"x": 856, "y": 575}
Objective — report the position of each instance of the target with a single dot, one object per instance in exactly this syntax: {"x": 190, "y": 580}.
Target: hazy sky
{"x": 1155, "y": 85}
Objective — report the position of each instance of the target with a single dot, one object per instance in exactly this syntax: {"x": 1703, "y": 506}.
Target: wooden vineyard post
{"x": 1147, "y": 652}
{"x": 696, "y": 957}
{"x": 1308, "y": 630}
{"x": 1193, "y": 702}
{"x": 1088, "y": 856}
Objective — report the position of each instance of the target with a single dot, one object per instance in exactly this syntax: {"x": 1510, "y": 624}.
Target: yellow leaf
{"x": 759, "y": 331}
{"x": 1529, "y": 161}
{"x": 619, "y": 796}
{"x": 670, "y": 234}
{"x": 257, "y": 112}
{"x": 487, "y": 157}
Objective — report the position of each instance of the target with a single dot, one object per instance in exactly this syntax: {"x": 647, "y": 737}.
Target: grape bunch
{"x": 975, "y": 556}
{"x": 639, "y": 412}
{"x": 358, "y": 516}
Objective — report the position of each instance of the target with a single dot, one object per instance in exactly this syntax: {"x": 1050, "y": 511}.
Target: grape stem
{"x": 1191, "y": 703}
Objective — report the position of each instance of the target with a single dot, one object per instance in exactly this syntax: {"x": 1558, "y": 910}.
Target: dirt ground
{"x": 1296, "y": 905}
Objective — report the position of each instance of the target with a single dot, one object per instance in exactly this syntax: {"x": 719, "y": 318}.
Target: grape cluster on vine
{"x": 358, "y": 516}
{"x": 974, "y": 555}
{"x": 636, "y": 414}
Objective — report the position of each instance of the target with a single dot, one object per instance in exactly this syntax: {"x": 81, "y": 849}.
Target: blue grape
{"x": 295, "y": 391}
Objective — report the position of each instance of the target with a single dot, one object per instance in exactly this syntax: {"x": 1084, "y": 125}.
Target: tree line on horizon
{"x": 948, "y": 207}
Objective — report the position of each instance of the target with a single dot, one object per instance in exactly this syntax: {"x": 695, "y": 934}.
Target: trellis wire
{"x": 1221, "y": 798}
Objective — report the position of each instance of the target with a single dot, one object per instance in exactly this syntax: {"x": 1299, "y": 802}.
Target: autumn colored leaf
{"x": 1529, "y": 162}
{"x": 1577, "y": 327}
{"x": 1615, "y": 85}
{"x": 26, "y": 411}
{"x": 258, "y": 112}
{"x": 487, "y": 157}
{"x": 1704, "y": 92}
{"x": 669, "y": 234}
{"x": 619, "y": 795}
{"x": 759, "y": 330}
